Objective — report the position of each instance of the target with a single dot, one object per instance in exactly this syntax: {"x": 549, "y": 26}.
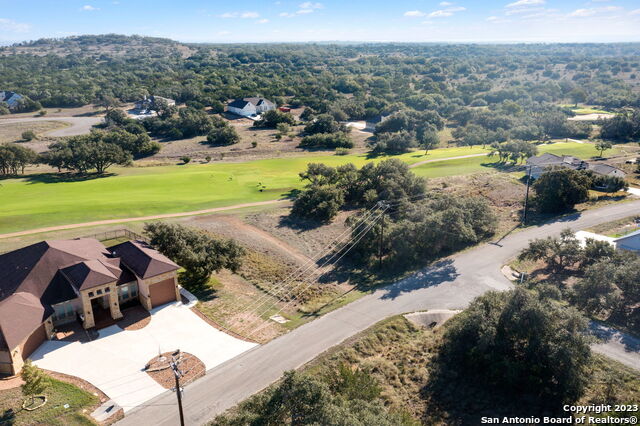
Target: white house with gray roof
{"x": 248, "y": 107}
{"x": 538, "y": 165}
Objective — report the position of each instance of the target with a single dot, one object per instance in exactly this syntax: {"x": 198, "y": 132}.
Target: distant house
{"x": 248, "y": 107}
{"x": 149, "y": 103}
{"x": 538, "y": 165}
{"x": 10, "y": 98}
{"x": 51, "y": 283}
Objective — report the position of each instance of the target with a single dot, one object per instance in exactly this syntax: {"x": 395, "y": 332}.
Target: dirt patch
{"x": 12, "y": 132}
{"x": 228, "y": 297}
{"x": 10, "y": 382}
{"x": 310, "y": 239}
{"x": 159, "y": 368}
{"x": 249, "y": 235}
{"x": 135, "y": 318}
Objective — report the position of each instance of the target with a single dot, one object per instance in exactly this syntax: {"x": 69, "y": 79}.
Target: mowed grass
{"x": 41, "y": 200}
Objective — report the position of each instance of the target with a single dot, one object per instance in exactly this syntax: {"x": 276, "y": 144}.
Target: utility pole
{"x": 381, "y": 239}
{"x": 177, "y": 374}
{"x": 526, "y": 198}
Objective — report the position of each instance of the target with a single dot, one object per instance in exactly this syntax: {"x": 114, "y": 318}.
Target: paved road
{"x": 77, "y": 125}
{"x": 622, "y": 347}
{"x": 451, "y": 284}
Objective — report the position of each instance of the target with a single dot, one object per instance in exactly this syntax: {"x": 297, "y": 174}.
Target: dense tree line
{"x": 348, "y": 81}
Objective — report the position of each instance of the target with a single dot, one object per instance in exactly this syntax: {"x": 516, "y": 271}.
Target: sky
{"x": 479, "y": 21}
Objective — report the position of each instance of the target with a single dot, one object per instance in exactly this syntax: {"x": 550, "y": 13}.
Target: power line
{"x": 357, "y": 239}
{"x": 302, "y": 283}
{"x": 310, "y": 265}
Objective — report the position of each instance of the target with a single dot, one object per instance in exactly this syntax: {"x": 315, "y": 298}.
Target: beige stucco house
{"x": 52, "y": 283}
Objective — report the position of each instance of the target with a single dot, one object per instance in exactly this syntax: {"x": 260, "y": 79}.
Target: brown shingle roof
{"x": 20, "y": 315}
{"x": 142, "y": 259}
{"x": 34, "y": 278}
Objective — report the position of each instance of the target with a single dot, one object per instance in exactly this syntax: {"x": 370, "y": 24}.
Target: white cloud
{"x": 89, "y": 8}
{"x": 635, "y": 12}
{"x": 414, "y": 13}
{"x": 11, "y": 26}
{"x": 243, "y": 15}
{"x": 262, "y": 21}
{"x": 443, "y": 13}
{"x": 524, "y": 3}
{"x": 311, "y": 5}
{"x": 445, "y": 3}
{"x": 305, "y": 9}
{"x": 583, "y": 13}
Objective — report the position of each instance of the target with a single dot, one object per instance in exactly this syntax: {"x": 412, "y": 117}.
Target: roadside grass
{"x": 39, "y": 200}
{"x": 400, "y": 356}
{"x": 617, "y": 228}
{"x": 53, "y": 413}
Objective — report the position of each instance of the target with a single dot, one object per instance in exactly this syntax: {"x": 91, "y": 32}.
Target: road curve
{"x": 77, "y": 125}
{"x": 451, "y": 284}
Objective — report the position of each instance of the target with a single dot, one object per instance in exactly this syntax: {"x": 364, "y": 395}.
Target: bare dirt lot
{"x": 12, "y": 131}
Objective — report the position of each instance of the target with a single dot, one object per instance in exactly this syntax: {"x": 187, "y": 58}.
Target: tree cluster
{"x": 197, "y": 252}
{"x": 517, "y": 344}
{"x": 14, "y": 158}
{"x": 419, "y": 231}
{"x": 331, "y": 188}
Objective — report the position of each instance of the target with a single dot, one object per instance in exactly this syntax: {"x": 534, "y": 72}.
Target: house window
{"x": 134, "y": 290}
{"x": 124, "y": 292}
{"x": 63, "y": 310}
{"x": 99, "y": 291}
{"x": 90, "y": 294}
{"x": 107, "y": 290}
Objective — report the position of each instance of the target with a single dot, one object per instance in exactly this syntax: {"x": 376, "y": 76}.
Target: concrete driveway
{"x": 114, "y": 361}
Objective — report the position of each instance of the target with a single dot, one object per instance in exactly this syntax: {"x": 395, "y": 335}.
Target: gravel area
{"x": 160, "y": 370}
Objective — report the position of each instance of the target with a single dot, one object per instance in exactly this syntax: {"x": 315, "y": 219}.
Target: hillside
{"x": 100, "y": 45}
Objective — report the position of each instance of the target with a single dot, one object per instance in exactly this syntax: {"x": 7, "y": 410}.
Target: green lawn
{"x": 584, "y": 110}
{"x": 40, "y": 200}
{"x": 54, "y": 412}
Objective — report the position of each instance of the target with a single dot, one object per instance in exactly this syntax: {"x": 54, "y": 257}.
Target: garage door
{"x": 33, "y": 341}
{"x": 162, "y": 292}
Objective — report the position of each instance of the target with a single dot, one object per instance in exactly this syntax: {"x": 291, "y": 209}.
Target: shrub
{"x": 318, "y": 202}
{"x": 185, "y": 159}
{"x": 342, "y": 151}
{"x": 28, "y": 135}
{"x": 254, "y": 144}
{"x": 327, "y": 140}
{"x": 222, "y": 136}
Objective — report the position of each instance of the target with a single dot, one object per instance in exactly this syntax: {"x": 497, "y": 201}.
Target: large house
{"x": 248, "y": 107}
{"x": 150, "y": 103}
{"x": 10, "y": 98}
{"x": 51, "y": 283}
{"x": 538, "y": 165}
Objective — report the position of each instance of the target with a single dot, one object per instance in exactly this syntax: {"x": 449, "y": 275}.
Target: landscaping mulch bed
{"x": 135, "y": 318}
{"x": 160, "y": 370}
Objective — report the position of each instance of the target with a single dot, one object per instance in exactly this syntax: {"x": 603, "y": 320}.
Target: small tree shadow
{"x": 197, "y": 285}
{"x": 504, "y": 167}
{"x": 64, "y": 177}
{"x": 8, "y": 417}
